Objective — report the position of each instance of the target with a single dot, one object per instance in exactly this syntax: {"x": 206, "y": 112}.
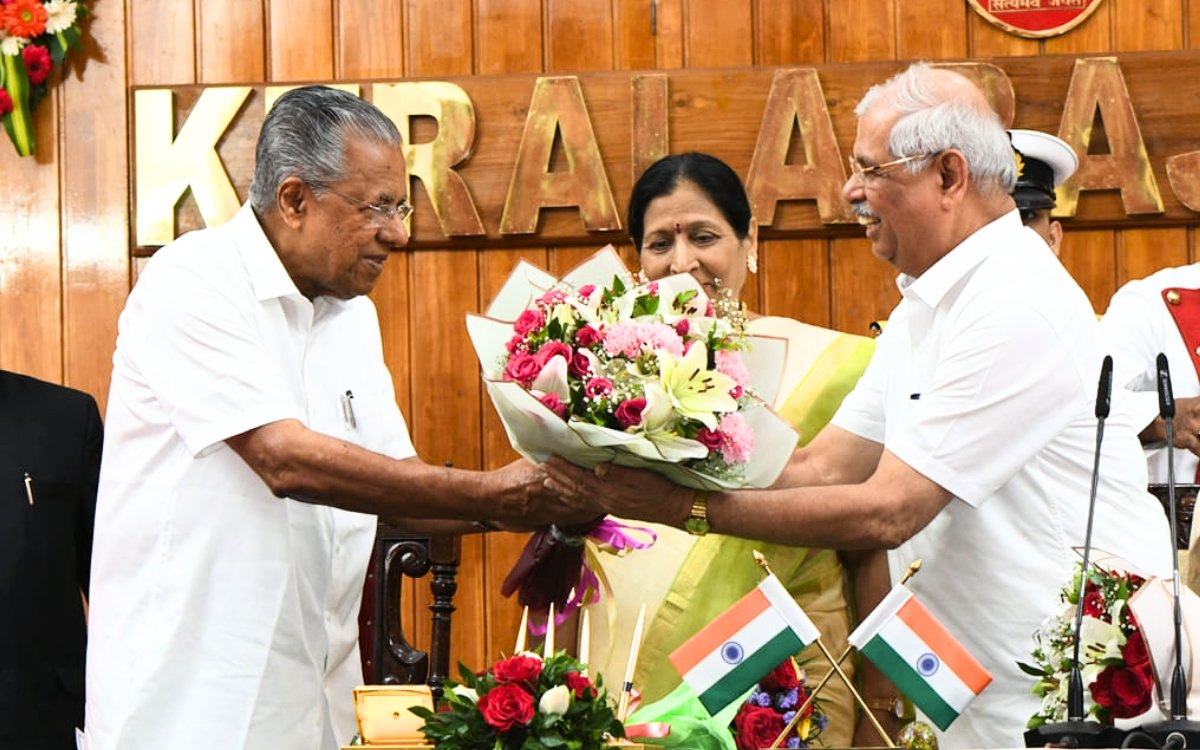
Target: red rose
{"x": 516, "y": 343}
{"x": 522, "y": 368}
{"x": 682, "y": 327}
{"x": 710, "y": 439}
{"x": 781, "y": 678}
{"x": 586, "y": 336}
{"x": 629, "y": 413}
{"x": 37, "y": 62}
{"x": 1101, "y": 689}
{"x": 580, "y": 685}
{"x": 552, "y": 349}
{"x": 580, "y": 366}
{"x": 530, "y": 320}
{"x": 586, "y": 290}
{"x": 506, "y": 706}
{"x": 1131, "y": 689}
{"x": 1093, "y": 604}
{"x": 757, "y": 727}
{"x": 555, "y": 404}
{"x": 518, "y": 669}
{"x": 1134, "y": 652}
{"x": 598, "y": 387}
{"x": 6, "y": 104}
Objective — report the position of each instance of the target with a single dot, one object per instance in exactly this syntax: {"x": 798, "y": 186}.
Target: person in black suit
{"x": 50, "y": 439}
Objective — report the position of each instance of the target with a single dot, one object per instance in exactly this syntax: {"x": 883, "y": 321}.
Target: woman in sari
{"x": 688, "y": 213}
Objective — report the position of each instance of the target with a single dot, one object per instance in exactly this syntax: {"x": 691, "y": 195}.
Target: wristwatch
{"x": 895, "y": 705}
{"x": 697, "y": 521}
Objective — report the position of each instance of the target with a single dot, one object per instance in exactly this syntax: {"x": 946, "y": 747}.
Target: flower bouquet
{"x": 595, "y": 367}
{"x": 523, "y": 703}
{"x": 1113, "y": 659}
{"x": 34, "y": 37}
{"x": 772, "y": 705}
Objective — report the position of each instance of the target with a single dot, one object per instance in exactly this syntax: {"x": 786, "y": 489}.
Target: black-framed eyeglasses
{"x": 866, "y": 174}
{"x": 381, "y": 214}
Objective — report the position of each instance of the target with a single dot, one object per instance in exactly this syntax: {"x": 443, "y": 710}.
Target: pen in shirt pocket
{"x": 348, "y": 410}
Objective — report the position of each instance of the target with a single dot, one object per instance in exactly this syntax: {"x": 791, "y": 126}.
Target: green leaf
{"x": 647, "y": 304}
{"x": 1033, "y": 671}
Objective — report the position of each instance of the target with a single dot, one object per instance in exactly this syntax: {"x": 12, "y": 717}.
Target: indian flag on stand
{"x": 762, "y": 629}
{"x": 920, "y": 657}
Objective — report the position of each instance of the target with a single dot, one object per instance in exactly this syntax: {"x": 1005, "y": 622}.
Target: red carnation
{"x": 580, "y": 685}
{"x": 518, "y": 668}
{"x": 6, "y": 104}
{"x": 37, "y": 62}
{"x": 506, "y": 706}
{"x": 782, "y": 678}
{"x": 757, "y": 727}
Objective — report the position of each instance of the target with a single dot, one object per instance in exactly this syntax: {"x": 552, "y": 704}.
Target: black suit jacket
{"x": 53, "y": 436}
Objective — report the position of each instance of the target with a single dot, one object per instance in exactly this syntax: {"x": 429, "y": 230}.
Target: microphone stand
{"x": 1178, "y": 731}
{"x": 1075, "y": 732}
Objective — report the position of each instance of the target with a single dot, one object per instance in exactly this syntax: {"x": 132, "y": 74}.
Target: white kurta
{"x": 984, "y": 381}
{"x": 1134, "y": 329}
{"x": 222, "y": 616}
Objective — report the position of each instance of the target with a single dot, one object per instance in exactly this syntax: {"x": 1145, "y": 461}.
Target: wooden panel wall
{"x": 64, "y": 243}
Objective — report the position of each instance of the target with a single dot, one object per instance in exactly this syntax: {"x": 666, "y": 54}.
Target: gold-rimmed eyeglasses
{"x": 864, "y": 174}
{"x": 381, "y": 214}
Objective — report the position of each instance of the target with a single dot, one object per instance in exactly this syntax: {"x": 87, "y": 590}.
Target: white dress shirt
{"x": 984, "y": 382}
{"x": 221, "y": 615}
{"x": 1134, "y": 329}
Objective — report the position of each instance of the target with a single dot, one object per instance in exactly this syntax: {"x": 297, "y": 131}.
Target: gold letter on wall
{"x": 650, "y": 130}
{"x": 166, "y": 168}
{"x": 796, "y": 96}
{"x": 558, "y": 107}
{"x": 1097, "y": 83}
{"x": 433, "y": 163}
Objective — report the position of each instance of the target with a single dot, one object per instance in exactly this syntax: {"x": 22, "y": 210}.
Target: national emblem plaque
{"x": 1035, "y": 18}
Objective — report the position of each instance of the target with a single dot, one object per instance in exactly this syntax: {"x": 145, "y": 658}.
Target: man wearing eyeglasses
{"x": 968, "y": 441}
{"x": 252, "y": 438}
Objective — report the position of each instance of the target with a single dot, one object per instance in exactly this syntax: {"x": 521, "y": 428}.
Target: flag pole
{"x": 634, "y": 647}
{"x": 812, "y": 696}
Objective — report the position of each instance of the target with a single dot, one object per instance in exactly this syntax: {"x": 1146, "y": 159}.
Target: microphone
{"x": 1075, "y": 732}
{"x": 1176, "y": 732}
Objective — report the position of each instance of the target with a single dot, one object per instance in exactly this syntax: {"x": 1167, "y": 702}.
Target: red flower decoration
{"x": 506, "y": 706}
{"x": 524, "y": 669}
{"x": 522, "y": 368}
{"x": 1134, "y": 652}
{"x": 783, "y": 677}
{"x": 1093, "y": 605}
{"x": 629, "y": 413}
{"x": 757, "y": 727}
{"x": 25, "y": 18}
{"x": 37, "y": 62}
{"x": 6, "y": 104}
{"x": 555, "y": 404}
{"x": 580, "y": 685}
{"x": 1125, "y": 692}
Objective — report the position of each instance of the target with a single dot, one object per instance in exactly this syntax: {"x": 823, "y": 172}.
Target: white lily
{"x": 695, "y": 392}
{"x": 462, "y": 691}
{"x": 555, "y": 701}
{"x": 553, "y": 378}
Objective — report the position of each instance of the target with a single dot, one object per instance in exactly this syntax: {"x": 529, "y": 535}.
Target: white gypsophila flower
{"x": 462, "y": 691}
{"x": 555, "y": 701}
{"x": 61, "y": 15}
{"x": 12, "y": 45}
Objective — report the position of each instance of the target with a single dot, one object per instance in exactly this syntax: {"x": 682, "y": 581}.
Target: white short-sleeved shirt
{"x": 984, "y": 381}
{"x": 223, "y": 616}
{"x": 1136, "y": 327}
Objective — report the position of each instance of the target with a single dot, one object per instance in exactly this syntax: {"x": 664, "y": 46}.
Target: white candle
{"x": 585, "y": 636}
{"x": 521, "y": 631}
{"x": 548, "y": 651}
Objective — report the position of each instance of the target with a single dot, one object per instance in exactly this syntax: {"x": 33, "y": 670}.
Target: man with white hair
{"x": 968, "y": 441}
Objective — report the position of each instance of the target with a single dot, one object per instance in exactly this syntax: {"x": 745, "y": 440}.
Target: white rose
{"x": 555, "y": 700}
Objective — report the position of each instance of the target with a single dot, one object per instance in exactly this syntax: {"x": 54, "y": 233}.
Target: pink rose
{"x": 598, "y": 388}
{"x": 552, "y": 297}
{"x": 515, "y": 343}
{"x": 522, "y": 368}
{"x": 682, "y": 327}
{"x": 530, "y": 320}
{"x": 555, "y": 404}
{"x": 580, "y": 366}
{"x": 586, "y": 290}
{"x": 586, "y": 336}
{"x": 553, "y": 349}
{"x": 629, "y": 413}
{"x": 710, "y": 439}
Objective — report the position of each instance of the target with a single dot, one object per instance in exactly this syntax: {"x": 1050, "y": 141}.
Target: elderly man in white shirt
{"x": 968, "y": 441}
{"x": 252, "y": 436}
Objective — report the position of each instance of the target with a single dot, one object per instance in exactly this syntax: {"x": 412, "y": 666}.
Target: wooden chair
{"x": 388, "y": 657}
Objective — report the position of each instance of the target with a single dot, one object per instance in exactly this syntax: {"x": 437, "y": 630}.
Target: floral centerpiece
{"x": 34, "y": 37}
{"x": 1113, "y": 659}
{"x": 597, "y": 367}
{"x": 772, "y": 705}
{"x": 523, "y": 703}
